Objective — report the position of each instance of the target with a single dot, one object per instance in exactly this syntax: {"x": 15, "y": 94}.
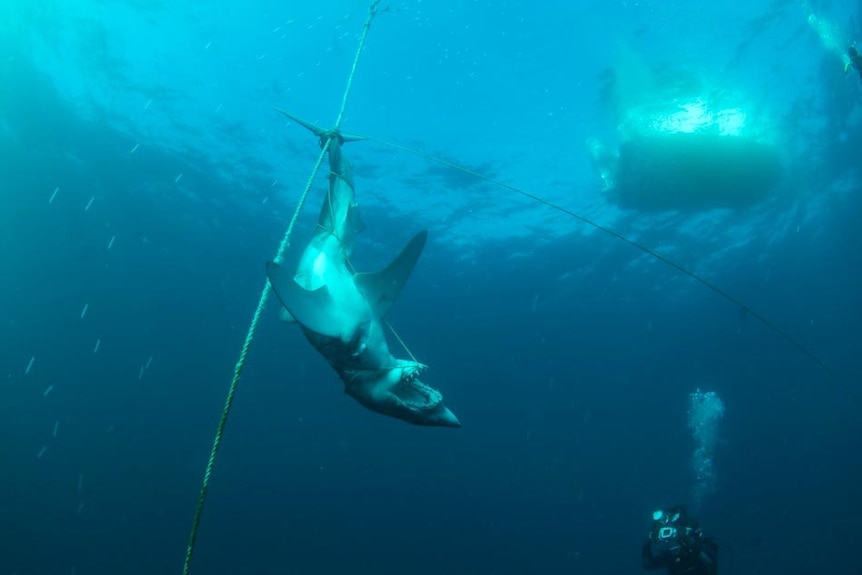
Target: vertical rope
{"x": 240, "y": 364}
{"x": 372, "y": 12}
{"x": 264, "y": 296}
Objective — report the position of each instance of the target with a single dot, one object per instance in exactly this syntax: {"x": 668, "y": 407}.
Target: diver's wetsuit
{"x": 696, "y": 557}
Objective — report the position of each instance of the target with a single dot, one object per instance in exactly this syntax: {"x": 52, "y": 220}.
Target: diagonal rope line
{"x": 664, "y": 259}
{"x": 401, "y": 341}
{"x": 264, "y": 296}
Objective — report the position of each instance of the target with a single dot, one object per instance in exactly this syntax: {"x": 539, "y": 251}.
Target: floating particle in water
{"x": 56, "y": 428}
{"x": 48, "y": 390}
{"x": 90, "y": 203}
{"x": 54, "y": 195}
{"x": 147, "y": 105}
{"x": 218, "y": 109}
{"x": 98, "y": 343}
{"x": 80, "y": 483}
{"x": 30, "y": 365}
{"x": 84, "y": 311}
{"x": 145, "y": 367}
{"x": 135, "y": 149}
{"x": 178, "y": 178}
{"x": 111, "y": 243}
{"x": 42, "y": 452}
{"x": 207, "y": 47}
{"x": 80, "y": 507}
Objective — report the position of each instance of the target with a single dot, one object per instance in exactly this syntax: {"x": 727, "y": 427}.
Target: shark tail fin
{"x": 310, "y": 308}
{"x": 318, "y": 131}
{"x": 381, "y": 288}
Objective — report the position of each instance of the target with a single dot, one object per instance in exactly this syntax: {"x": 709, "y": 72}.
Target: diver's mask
{"x": 662, "y": 517}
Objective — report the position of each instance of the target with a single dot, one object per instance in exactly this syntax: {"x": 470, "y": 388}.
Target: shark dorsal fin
{"x": 381, "y": 288}
{"x": 310, "y": 308}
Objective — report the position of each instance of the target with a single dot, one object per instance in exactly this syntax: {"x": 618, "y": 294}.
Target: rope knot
{"x": 329, "y": 135}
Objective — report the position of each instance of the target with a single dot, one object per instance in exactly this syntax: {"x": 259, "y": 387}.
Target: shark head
{"x": 397, "y": 392}
{"x": 348, "y": 333}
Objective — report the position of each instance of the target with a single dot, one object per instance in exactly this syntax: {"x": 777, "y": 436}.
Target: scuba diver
{"x": 853, "y": 60}
{"x": 676, "y": 542}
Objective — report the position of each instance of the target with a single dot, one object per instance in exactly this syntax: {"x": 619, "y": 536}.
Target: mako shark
{"x": 341, "y": 312}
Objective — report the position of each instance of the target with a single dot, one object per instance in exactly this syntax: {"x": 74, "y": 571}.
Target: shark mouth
{"x": 415, "y": 395}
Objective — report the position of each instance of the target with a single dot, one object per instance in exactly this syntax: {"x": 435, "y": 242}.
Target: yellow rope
{"x": 264, "y": 296}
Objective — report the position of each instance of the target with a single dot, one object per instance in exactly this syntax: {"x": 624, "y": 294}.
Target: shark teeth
{"x": 413, "y": 370}
{"x": 414, "y": 394}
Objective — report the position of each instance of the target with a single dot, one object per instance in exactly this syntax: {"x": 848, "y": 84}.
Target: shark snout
{"x": 437, "y": 416}
{"x": 442, "y": 417}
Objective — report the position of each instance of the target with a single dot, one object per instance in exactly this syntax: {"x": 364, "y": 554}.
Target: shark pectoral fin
{"x": 319, "y": 132}
{"x": 381, "y": 288}
{"x": 310, "y": 308}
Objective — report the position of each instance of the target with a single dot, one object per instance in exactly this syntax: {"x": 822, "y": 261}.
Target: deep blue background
{"x": 573, "y": 393}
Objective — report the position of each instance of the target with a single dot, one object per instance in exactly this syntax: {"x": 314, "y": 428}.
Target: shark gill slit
{"x": 637, "y": 245}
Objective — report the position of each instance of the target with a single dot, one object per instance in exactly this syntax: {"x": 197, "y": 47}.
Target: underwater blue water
{"x": 568, "y": 355}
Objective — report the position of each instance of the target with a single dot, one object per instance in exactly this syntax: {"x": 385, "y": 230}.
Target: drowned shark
{"x": 341, "y": 312}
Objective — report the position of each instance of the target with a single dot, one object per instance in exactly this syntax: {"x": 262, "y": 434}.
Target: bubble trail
{"x": 706, "y": 410}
